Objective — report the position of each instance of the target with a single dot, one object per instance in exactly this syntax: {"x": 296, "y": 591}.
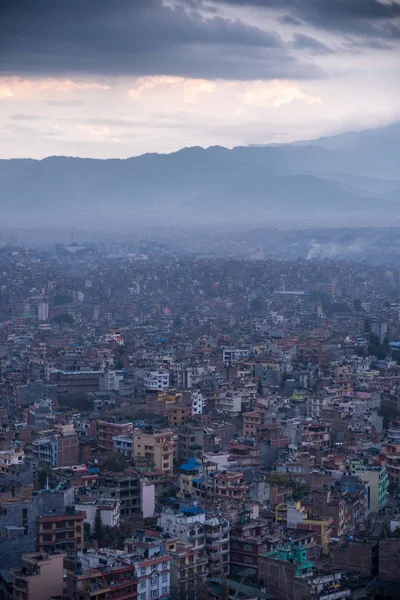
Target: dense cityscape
{"x": 188, "y": 427}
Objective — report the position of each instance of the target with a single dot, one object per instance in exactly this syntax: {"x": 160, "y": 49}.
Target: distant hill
{"x": 351, "y": 177}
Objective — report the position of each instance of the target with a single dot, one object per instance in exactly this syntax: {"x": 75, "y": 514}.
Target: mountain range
{"x": 350, "y": 178}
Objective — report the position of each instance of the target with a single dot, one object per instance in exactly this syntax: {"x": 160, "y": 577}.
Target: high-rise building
{"x": 43, "y": 311}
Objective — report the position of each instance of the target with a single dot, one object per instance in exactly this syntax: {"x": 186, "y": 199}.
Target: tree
{"x": 98, "y": 528}
{"x": 77, "y": 401}
{"x": 257, "y": 306}
{"x": 43, "y": 474}
{"x": 260, "y": 390}
{"x": 62, "y": 319}
{"x": 114, "y": 462}
{"x": 357, "y": 305}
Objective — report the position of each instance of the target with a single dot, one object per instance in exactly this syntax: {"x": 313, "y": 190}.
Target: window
{"x": 248, "y": 547}
{"x": 143, "y": 583}
{"x": 164, "y": 566}
{"x": 164, "y": 590}
{"x": 154, "y": 580}
{"x": 154, "y": 593}
{"x": 143, "y": 596}
{"x": 248, "y": 559}
{"x": 143, "y": 572}
{"x": 164, "y": 578}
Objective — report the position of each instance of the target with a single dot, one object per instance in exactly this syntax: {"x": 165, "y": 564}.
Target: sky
{"x": 117, "y": 78}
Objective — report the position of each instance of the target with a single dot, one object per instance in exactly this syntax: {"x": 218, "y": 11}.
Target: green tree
{"x": 114, "y": 462}
{"x": 62, "y": 319}
{"x": 257, "y": 306}
{"x": 43, "y": 474}
{"x": 357, "y": 305}
{"x": 98, "y": 529}
{"x": 260, "y": 390}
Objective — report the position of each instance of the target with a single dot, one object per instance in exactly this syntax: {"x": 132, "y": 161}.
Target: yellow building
{"x": 157, "y": 446}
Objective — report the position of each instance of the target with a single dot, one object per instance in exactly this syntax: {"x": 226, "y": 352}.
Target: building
{"x": 106, "y": 432}
{"x": 125, "y": 487}
{"x": 110, "y": 511}
{"x": 248, "y": 540}
{"x": 156, "y": 381}
{"x": 188, "y": 568}
{"x": 75, "y": 382}
{"x": 220, "y": 488}
{"x": 61, "y": 531}
{"x": 104, "y": 579}
{"x": 152, "y": 565}
{"x": 39, "y": 577}
{"x": 60, "y": 449}
{"x": 378, "y": 486}
{"x": 43, "y": 311}
{"x": 288, "y": 574}
{"x": 124, "y": 444}
{"x": 157, "y": 446}
{"x": 217, "y": 545}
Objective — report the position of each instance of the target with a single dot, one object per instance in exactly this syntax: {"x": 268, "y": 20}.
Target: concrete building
{"x": 104, "y": 579}
{"x": 61, "y": 531}
{"x": 157, "y": 446}
{"x": 124, "y": 444}
{"x": 43, "y": 311}
{"x": 39, "y": 577}
{"x": 152, "y": 565}
{"x": 110, "y": 511}
{"x": 106, "y": 431}
{"x": 156, "y": 381}
{"x": 378, "y": 487}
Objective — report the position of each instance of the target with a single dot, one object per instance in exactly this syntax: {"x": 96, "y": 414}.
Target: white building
{"x": 43, "y": 311}
{"x": 156, "y": 381}
{"x": 124, "y": 444}
{"x": 110, "y": 511}
{"x": 197, "y": 402}
{"x": 231, "y": 403}
{"x": 234, "y": 354}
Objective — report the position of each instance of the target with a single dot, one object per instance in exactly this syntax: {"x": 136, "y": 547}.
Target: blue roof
{"x": 195, "y": 510}
{"x": 191, "y": 465}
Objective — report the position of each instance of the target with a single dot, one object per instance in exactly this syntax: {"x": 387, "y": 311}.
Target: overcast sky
{"x": 116, "y": 78}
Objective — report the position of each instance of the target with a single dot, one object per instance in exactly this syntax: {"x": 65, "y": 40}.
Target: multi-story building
{"x": 103, "y": 583}
{"x": 43, "y": 311}
{"x": 156, "y": 381}
{"x": 39, "y": 577}
{"x": 157, "y": 446}
{"x": 125, "y": 487}
{"x": 124, "y": 444}
{"x": 188, "y": 568}
{"x": 393, "y": 462}
{"x": 152, "y": 565}
{"x": 378, "y": 486}
{"x": 76, "y": 382}
{"x": 61, "y": 531}
{"x": 107, "y": 431}
{"x": 248, "y": 540}
{"x": 221, "y": 488}
{"x": 288, "y": 574}
{"x": 217, "y": 545}
{"x": 60, "y": 449}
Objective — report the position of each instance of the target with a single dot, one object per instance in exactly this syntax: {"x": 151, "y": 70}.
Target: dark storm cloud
{"x": 136, "y": 37}
{"x": 358, "y": 17}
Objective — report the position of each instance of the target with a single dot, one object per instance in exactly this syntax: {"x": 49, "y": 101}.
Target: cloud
{"x": 137, "y": 38}
{"x": 358, "y": 17}
{"x": 11, "y": 87}
{"x": 190, "y": 88}
{"x": 305, "y": 42}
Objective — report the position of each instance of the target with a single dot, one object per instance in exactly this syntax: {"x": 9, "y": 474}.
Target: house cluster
{"x": 181, "y": 428}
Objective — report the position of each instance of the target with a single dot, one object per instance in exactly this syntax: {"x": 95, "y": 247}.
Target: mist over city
{"x": 199, "y": 300}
